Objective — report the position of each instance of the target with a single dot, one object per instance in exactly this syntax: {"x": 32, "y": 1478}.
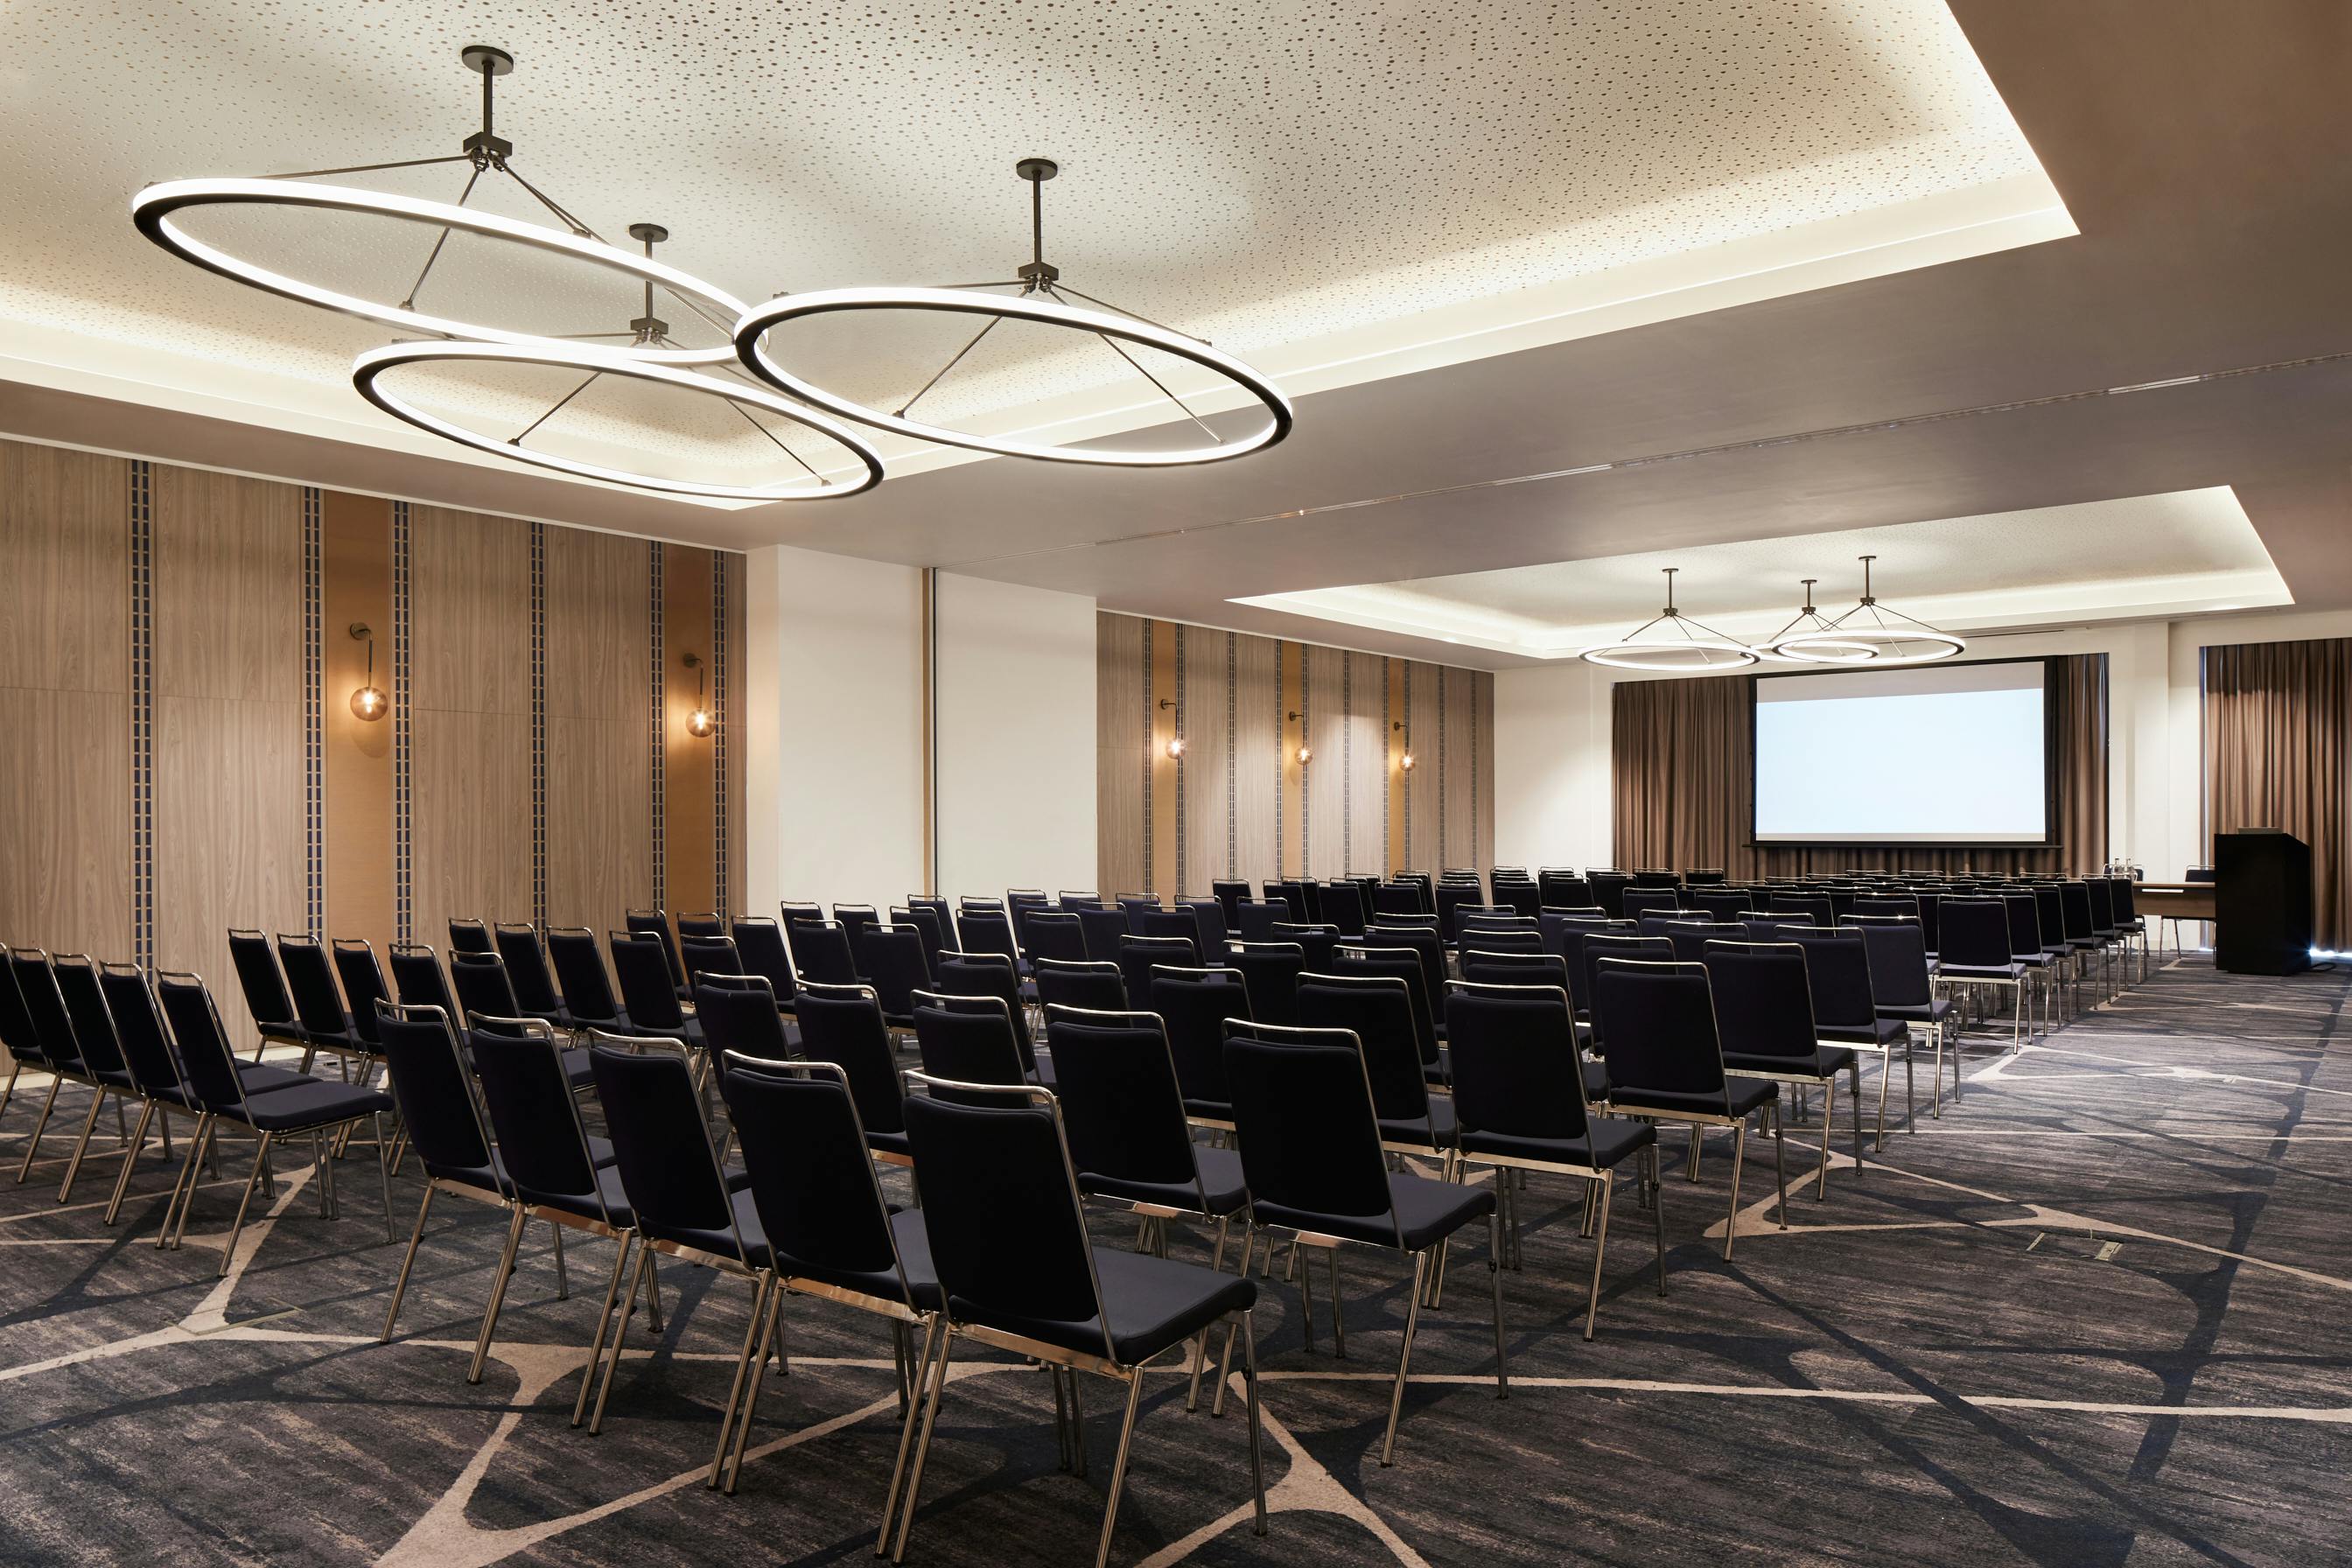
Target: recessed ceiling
{"x": 2188, "y": 553}
{"x": 1337, "y": 192}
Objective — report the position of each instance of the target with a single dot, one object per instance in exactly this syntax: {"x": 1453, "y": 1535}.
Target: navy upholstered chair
{"x": 843, "y": 1026}
{"x": 1845, "y": 1010}
{"x": 1098, "y": 986}
{"x": 1138, "y": 954}
{"x": 654, "y": 924}
{"x": 588, "y": 1001}
{"x": 1764, "y": 1011}
{"x": 969, "y": 1040}
{"x": 1378, "y": 1011}
{"x": 1193, "y": 1005}
{"x": 1271, "y": 970}
{"x": 469, "y": 935}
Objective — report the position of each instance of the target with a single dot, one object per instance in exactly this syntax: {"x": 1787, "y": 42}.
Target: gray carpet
{"x": 2093, "y": 1315}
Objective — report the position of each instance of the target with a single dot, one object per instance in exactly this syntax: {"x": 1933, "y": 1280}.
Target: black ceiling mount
{"x": 489, "y": 63}
{"x": 1038, "y": 273}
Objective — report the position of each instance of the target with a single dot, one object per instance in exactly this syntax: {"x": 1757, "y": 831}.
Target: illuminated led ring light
{"x": 153, "y": 210}
{"x": 1821, "y": 646}
{"x": 631, "y": 363}
{"x": 1628, "y": 655}
{"x": 1884, "y": 641}
{"x": 1052, "y": 313}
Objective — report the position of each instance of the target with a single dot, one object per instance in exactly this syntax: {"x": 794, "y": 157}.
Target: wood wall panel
{"x": 1394, "y": 771}
{"x": 1421, "y": 791}
{"x": 599, "y": 746}
{"x": 1483, "y": 780}
{"x": 1208, "y": 781}
{"x": 356, "y": 586}
{"x": 1121, "y": 644}
{"x": 1327, "y": 775}
{"x": 470, "y": 760}
{"x": 1454, "y": 834}
{"x": 690, "y": 769}
{"x": 1258, "y": 728}
{"x": 1367, "y": 782}
{"x": 1290, "y": 829}
{"x": 229, "y": 784}
{"x": 738, "y": 744}
{"x": 1160, "y": 859}
{"x": 65, "y": 520}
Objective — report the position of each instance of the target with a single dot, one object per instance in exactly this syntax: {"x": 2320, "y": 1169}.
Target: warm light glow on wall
{"x": 368, "y": 703}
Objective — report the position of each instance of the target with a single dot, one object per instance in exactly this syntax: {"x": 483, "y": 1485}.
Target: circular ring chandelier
{"x": 629, "y": 365}
{"x": 154, "y": 210}
{"x": 1679, "y": 650}
{"x": 1040, "y": 300}
{"x": 1894, "y": 637}
{"x": 1811, "y": 638}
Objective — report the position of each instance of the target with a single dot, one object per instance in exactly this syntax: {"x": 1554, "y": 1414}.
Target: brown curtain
{"x": 1679, "y": 754}
{"x": 2278, "y": 746}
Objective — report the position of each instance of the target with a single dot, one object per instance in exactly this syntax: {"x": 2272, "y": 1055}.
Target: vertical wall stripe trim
{"x": 314, "y": 716}
{"x": 1281, "y": 740}
{"x": 719, "y": 732}
{"x": 654, "y": 662}
{"x": 404, "y": 865}
{"x": 1347, "y": 765}
{"x": 539, "y": 722}
{"x": 1180, "y": 760}
{"x": 1233, "y": 775}
{"x": 1306, "y": 728}
{"x": 1408, "y": 782}
{"x": 1149, "y": 697}
{"x": 1391, "y": 780}
{"x": 142, "y": 710}
{"x": 1442, "y": 862}
{"x": 1475, "y": 858}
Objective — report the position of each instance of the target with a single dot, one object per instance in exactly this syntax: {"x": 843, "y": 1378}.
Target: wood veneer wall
{"x": 1238, "y": 803}
{"x": 176, "y": 675}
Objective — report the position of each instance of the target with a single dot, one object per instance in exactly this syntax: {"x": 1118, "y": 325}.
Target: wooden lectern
{"x": 2261, "y": 902}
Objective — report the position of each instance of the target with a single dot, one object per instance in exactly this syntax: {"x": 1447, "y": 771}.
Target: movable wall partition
{"x": 1238, "y": 802}
{"x": 176, "y": 670}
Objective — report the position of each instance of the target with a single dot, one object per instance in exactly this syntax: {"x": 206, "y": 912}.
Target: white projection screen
{"x": 1930, "y": 756}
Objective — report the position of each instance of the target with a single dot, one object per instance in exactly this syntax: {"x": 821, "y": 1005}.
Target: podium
{"x": 2261, "y": 902}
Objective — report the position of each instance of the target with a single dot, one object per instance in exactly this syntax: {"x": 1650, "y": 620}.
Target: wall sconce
{"x": 698, "y": 722}
{"x": 1306, "y": 752}
{"x": 1175, "y": 741}
{"x": 368, "y": 703}
{"x": 1407, "y": 762}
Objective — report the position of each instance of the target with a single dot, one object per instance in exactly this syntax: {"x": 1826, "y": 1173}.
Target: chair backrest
{"x": 1193, "y": 1005}
{"x": 2103, "y": 903}
{"x": 989, "y": 975}
{"x": 1102, "y": 927}
{"x": 708, "y": 955}
{"x": 363, "y": 982}
{"x": 1377, "y": 1010}
{"x": 1887, "y": 904}
{"x": 1815, "y": 907}
{"x": 257, "y": 977}
{"x": 482, "y": 987}
{"x": 1231, "y": 893}
{"x": 76, "y": 978}
{"x": 844, "y": 1025}
{"x": 1561, "y": 888}
{"x": 1724, "y": 904}
{"x": 1271, "y": 970}
{"x": 1137, "y": 954}
{"x": 206, "y": 1066}
{"x": 821, "y": 953}
{"x": 1098, "y": 988}
{"x": 1975, "y": 934}
{"x": 587, "y": 988}
{"x": 893, "y": 964}
{"x": 2074, "y": 912}
{"x": 2048, "y": 917}
{"x": 16, "y": 1032}
{"x": 1837, "y": 972}
{"x": 1617, "y": 944}
{"x": 138, "y": 1024}
{"x": 417, "y": 975}
{"x": 1515, "y": 1069}
{"x": 1422, "y": 939}
{"x": 700, "y": 925}
{"x": 2127, "y": 907}
{"x": 1690, "y": 937}
{"x": 813, "y": 1181}
{"x": 662, "y": 1145}
{"x": 1637, "y": 902}
{"x": 1515, "y": 969}
{"x": 1898, "y": 963}
{"x": 1215, "y": 930}
{"x": 1054, "y": 934}
{"x": 318, "y": 1003}
{"x": 2024, "y": 923}
{"x": 1660, "y": 1022}
{"x": 1318, "y": 943}
{"x": 1181, "y": 923}
{"x": 1121, "y": 1107}
{"x": 925, "y": 924}
{"x": 469, "y": 935}
{"x": 1345, "y": 905}
{"x": 543, "y": 1141}
{"x": 1069, "y": 900}
{"x": 738, "y": 1012}
{"x": 1763, "y": 1002}
{"x": 1497, "y": 939}
{"x": 1001, "y": 1204}
{"x": 1397, "y": 899}
{"x": 988, "y": 930}
{"x": 792, "y": 912}
{"x": 856, "y": 920}
{"x": 969, "y": 1039}
{"x": 654, "y": 924}
{"x": 1401, "y": 964}
{"x": 1258, "y": 917}
{"x": 1303, "y": 1115}
{"x": 432, "y": 1087}
{"x": 640, "y": 964}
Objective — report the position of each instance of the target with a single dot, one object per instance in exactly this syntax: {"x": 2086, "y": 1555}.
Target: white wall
{"x": 834, "y": 761}
{"x": 1552, "y": 735}
{"x": 1015, "y": 737}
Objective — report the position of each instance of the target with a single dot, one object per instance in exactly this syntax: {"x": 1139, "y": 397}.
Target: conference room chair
{"x": 1452, "y": 898}
{"x": 485, "y": 994}
{"x": 1519, "y": 895}
{"x": 1608, "y": 889}
{"x": 987, "y": 929}
{"x": 2050, "y": 921}
{"x": 704, "y": 955}
{"x": 1193, "y": 1005}
{"x": 992, "y": 975}
{"x": 843, "y": 1026}
{"x": 73, "y": 1012}
{"x": 1377, "y": 1009}
{"x": 1137, "y": 954}
{"x": 1903, "y": 987}
{"x": 469, "y": 935}
{"x": 1317, "y": 941}
{"x": 449, "y": 1132}
{"x": 679, "y": 1198}
{"x": 2042, "y": 962}
{"x": 1640, "y": 899}
{"x": 1314, "y": 1156}
{"x": 704, "y": 925}
{"x": 969, "y": 1040}
{"x": 25, "y": 1048}
{"x": 1176, "y": 922}
{"x": 2129, "y": 923}
{"x": 1271, "y": 970}
{"x": 1020, "y": 903}
{"x": 1099, "y": 987}
{"x": 855, "y": 920}
{"x": 821, "y": 953}
{"x": 1906, "y": 904}
{"x": 1815, "y": 909}
{"x": 926, "y": 928}
{"x": 1576, "y": 939}
{"x": 1209, "y": 917}
{"x": 154, "y": 1068}
{"x": 220, "y": 1098}
{"x": 1420, "y": 941}
{"x": 1976, "y": 952}
{"x": 1523, "y": 1109}
{"x": 738, "y": 1012}
{"x": 588, "y": 999}
{"x": 2081, "y": 936}
{"x": 417, "y": 977}
{"x": 1721, "y": 904}
{"x": 1070, "y": 900}
{"x": 1130, "y": 1140}
{"x": 1654, "y": 921}
{"x": 789, "y": 910}
{"x": 891, "y": 959}
{"x": 1764, "y": 1013}
{"x": 2102, "y": 893}
{"x": 1560, "y": 887}
{"x": 1845, "y": 1012}
{"x": 1139, "y": 905}
{"x": 1354, "y": 959}
{"x": 318, "y": 1007}
{"x": 1231, "y": 893}
{"x": 654, "y": 924}
{"x": 1343, "y": 906}
{"x": 1103, "y": 929}
{"x": 1258, "y": 917}
{"x": 364, "y": 986}
{"x": 1689, "y": 937}
{"x": 1054, "y": 936}
{"x": 653, "y": 1007}
{"x": 1708, "y": 875}
{"x": 1656, "y": 877}
{"x": 1397, "y": 899}
{"x": 831, "y": 1235}
{"x": 1665, "y": 1062}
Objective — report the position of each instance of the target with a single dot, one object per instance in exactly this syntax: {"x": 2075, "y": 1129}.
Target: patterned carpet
{"x": 2093, "y": 1316}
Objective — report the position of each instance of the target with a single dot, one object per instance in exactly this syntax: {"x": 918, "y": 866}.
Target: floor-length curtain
{"x": 2278, "y": 747}
{"x": 1680, "y": 756}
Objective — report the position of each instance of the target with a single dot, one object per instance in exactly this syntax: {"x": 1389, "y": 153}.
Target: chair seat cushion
{"x": 2009, "y": 971}
{"x": 1221, "y": 1185}
{"x": 1917, "y": 1012}
{"x": 1744, "y": 1095}
{"x": 1152, "y": 1303}
{"x": 1210, "y": 1109}
{"x": 1607, "y": 1139}
{"x": 914, "y": 1243}
{"x": 1827, "y": 1061}
{"x": 316, "y": 1103}
{"x": 1426, "y": 1212}
{"x": 1879, "y": 1031}
{"x": 889, "y": 1143}
{"x": 721, "y": 1241}
{"x": 1415, "y": 1130}
{"x": 615, "y": 1199}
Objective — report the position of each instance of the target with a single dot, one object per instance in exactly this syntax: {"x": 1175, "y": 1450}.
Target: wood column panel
{"x": 599, "y": 758}
{"x": 689, "y": 766}
{"x": 1257, "y": 757}
{"x": 1209, "y": 774}
{"x": 1121, "y": 652}
{"x": 1398, "y": 776}
{"x": 1327, "y": 775}
{"x": 1159, "y": 727}
{"x": 356, "y": 587}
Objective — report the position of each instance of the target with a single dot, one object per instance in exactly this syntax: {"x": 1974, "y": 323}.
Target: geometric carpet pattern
{"x": 2094, "y": 1315}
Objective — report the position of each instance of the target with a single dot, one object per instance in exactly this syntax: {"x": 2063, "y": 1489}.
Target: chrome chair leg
{"x": 88, "y": 1125}
{"x": 1249, "y": 1380}
{"x": 604, "y": 1321}
{"x": 620, "y": 1337}
{"x": 497, "y": 1293}
{"x": 1304, "y": 1267}
{"x": 1739, "y": 1156}
{"x": 1658, "y": 1215}
{"x": 407, "y": 1261}
{"x": 1781, "y": 1162}
{"x": 188, "y": 1173}
{"x": 1494, "y": 1281}
{"x": 562, "y": 1276}
{"x": 907, "y": 1422}
{"x": 1854, "y": 1098}
{"x": 1118, "y": 1465}
{"x": 33, "y": 1144}
{"x": 1608, "y": 1185}
{"x": 923, "y": 1444}
{"x": 131, "y": 1158}
{"x": 1828, "y": 1114}
{"x": 1404, "y": 1359}
{"x": 735, "y": 1407}
{"x": 1339, "y": 1316}
{"x": 229, "y": 1253}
